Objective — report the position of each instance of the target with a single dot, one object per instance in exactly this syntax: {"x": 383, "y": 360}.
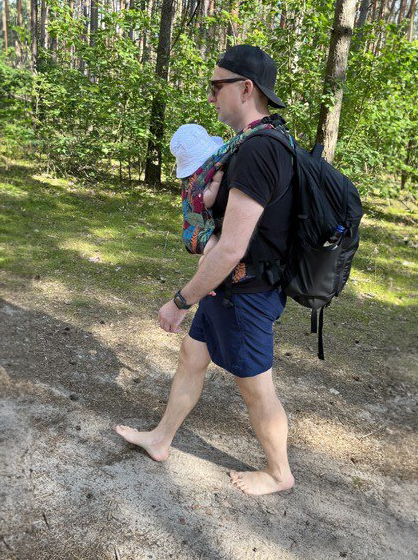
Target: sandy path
{"x": 71, "y": 488}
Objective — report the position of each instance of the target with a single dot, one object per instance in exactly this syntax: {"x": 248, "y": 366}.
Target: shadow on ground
{"x": 83, "y": 493}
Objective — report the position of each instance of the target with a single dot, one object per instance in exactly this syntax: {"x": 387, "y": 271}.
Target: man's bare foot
{"x": 157, "y": 449}
{"x": 261, "y": 482}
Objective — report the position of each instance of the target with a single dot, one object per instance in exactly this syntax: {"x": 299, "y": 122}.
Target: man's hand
{"x": 170, "y": 317}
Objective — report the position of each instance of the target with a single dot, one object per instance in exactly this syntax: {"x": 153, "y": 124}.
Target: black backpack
{"x": 313, "y": 273}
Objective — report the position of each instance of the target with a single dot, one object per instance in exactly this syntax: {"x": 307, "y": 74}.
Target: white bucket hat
{"x": 192, "y": 146}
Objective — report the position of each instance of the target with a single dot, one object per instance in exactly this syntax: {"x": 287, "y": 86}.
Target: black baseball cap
{"x": 253, "y": 63}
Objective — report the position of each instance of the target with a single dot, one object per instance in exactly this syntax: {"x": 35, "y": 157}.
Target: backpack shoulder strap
{"x": 277, "y": 135}
{"x": 273, "y": 133}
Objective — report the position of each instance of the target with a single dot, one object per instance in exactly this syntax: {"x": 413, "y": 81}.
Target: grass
{"x": 98, "y": 244}
{"x": 124, "y": 242}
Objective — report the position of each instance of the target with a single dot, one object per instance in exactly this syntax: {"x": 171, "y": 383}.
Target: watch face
{"x": 178, "y": 300}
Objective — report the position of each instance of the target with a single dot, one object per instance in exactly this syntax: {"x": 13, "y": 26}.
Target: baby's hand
{"x": 218, "y": 176}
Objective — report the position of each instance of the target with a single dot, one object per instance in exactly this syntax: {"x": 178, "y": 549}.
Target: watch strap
{"x": 180, "y": 301}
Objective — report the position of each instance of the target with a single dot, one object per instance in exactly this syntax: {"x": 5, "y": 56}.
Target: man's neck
{"x": 249, "y": 118}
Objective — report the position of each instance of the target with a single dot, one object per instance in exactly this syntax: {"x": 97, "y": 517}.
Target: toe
{"x": 238, "y": 484}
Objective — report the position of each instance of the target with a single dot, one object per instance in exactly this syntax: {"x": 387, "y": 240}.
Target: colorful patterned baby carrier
{"x": 198, "y": 221}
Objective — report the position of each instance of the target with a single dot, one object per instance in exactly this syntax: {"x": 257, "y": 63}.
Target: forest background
{"x": 95, "y": 88}
{"x": 90, "y": 248}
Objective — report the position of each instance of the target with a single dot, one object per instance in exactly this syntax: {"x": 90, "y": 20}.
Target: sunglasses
{"x": 216, "y": 85}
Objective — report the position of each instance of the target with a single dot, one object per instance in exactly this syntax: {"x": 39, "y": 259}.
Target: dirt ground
{"x": 72, "y": 489}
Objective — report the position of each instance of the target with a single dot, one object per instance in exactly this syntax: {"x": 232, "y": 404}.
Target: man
{"x": 238, "y": 337}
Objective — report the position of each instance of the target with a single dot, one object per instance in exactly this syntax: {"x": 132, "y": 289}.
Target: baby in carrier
{"x": 192, "y": 146}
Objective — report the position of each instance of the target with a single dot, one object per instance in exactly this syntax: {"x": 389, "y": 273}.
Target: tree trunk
{"x": 34, "y": 34}
{"x": 122, "y": 9}
{"x": 212, "y": 41}
{"x": 154, "y": 10}
{"x": 382, "y": 16}
{"x": 202, "y": 41}
{"x": 411, "y": 146}
{"x": 145, "y": 49}
{"x": 232, "y": 29}
{"x": 362, "y": 18}
{"x": 374, "y": 10}
{"x": 6, "y": 23}
{"x": 43, "y": 24}
{"x": 85, "y": 8}
{"x": 392, "y": 11}
{"x": 154, "y": 159}
{"x": 53, "y": 42}
{"x": 283, "y": 19}
{"x": 191, "y": 5}
{"x": 94, "y": 22}
{"x": 4, "y": 29}
{"x": 131, "y": 31}
{"x": 19, "y": 12}
{"x": 364, "y": 11}
{"x": 405, "y": 174}
{"x": 382, "y": 9}
{"x": 329, "y": 118}
{"x": 411, "y": 21}
{"x": 402, "y": 11}
{"x": 19, "y": 24}
{"x": 71, "y": 53}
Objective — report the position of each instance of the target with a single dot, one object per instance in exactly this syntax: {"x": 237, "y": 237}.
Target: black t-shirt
{"x": 263, "y": 170}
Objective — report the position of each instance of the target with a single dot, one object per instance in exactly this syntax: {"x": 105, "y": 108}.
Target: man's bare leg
{"x": 185, "y": 391}
{"x": 269, "y": 422}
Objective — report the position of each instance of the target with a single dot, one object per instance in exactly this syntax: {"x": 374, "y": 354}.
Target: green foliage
{"x": 16, "y": 133}
{"x": 382, "y": 94}
{"x": 88, "y": 108}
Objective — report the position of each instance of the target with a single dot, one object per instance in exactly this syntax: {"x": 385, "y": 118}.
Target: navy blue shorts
{"x": 240, "y": 338}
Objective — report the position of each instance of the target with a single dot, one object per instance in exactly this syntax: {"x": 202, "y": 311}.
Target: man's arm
{"x": 241, "y": 217}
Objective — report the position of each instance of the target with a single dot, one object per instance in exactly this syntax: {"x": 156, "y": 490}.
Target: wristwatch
{"x": 180, "y": 301}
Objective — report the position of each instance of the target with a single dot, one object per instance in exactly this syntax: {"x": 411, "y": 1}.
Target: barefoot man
{"x": 255, "y": 202}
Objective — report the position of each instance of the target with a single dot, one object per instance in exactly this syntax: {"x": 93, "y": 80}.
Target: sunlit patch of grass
{"x": 14, "y": 190}
{"x": 127, "y": 242}
{"x": 386, "y": 265}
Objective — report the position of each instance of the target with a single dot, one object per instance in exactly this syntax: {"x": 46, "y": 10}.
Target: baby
{"x": 192, "y": 146}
